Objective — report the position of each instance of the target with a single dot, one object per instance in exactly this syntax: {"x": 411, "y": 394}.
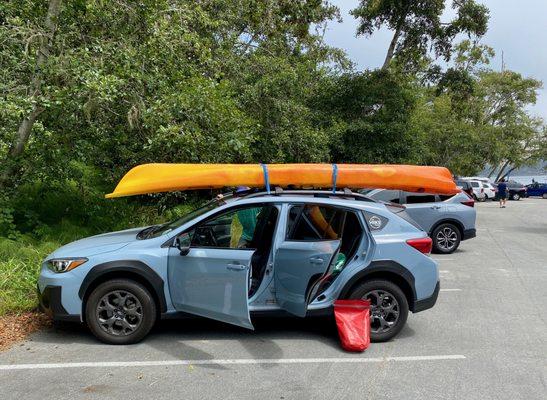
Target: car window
{"x": 444, "y": 197}
{"x": 475, "y": 184}
{"x": 391, "y": 196}
{"x": 415, "y": 198}
{"x": 314, "y": 222}
{"x": 463, "y": 184}
{"x": 484, "y": 185}
{"x": 234, "y": 229}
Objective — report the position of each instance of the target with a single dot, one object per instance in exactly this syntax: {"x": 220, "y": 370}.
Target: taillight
{"x": 423, "y": 245}
{"x": 468, "y": 203}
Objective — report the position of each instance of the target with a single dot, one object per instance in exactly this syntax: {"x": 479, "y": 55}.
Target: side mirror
{"x": 183, "y": 243}
{"x": 184, "y": 250}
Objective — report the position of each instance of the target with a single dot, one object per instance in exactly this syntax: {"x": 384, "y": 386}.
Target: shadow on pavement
{"x": 176, "y": 337}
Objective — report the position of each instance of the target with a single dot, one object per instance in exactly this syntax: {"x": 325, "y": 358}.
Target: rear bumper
{"x": 50, "y": 303}
{"x": 469, "y": 234}
{"x": 428, "y": 302}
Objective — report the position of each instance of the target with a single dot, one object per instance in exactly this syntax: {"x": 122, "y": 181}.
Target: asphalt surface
{"x": 485, "y": 339}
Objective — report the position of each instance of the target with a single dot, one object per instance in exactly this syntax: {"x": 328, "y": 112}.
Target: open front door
{"x": 211, "y": 276}
{"x": 212, "y": 283}
{"x": 298, "y": 266}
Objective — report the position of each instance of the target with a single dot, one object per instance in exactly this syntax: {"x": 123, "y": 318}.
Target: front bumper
{"x": 428, "y": 302}
{"x": 50, "y": 303}
{"x": 469, "y": 234}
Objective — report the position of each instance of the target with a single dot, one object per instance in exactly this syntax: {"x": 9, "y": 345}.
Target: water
{"x": 526, "y": 180}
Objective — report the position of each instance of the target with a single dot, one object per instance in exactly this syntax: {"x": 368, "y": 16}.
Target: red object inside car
{"x": 423, "y": 245}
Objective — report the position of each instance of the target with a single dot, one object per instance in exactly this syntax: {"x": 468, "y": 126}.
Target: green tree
{"x": 417, "y": 26}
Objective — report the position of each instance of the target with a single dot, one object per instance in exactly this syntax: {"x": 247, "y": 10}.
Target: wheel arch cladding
{"x": 386, "y": 270}
{"x": 454, "y": 222}
{"x": 124, "y": 269}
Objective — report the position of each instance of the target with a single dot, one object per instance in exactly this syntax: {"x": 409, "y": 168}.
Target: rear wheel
{"x": 120, "y": 311}
{"x": 446, "y": 238}
{"x": 388, "y": 308}
{"x": 516, "y": 196}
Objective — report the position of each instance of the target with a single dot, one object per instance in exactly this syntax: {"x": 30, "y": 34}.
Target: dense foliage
{"x": 89, "y": 88}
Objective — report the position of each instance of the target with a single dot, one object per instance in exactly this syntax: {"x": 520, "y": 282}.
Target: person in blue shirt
{"x": 502, "y": 192}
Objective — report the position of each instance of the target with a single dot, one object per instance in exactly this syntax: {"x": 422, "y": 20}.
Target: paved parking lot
{"x": 485, "y": 339}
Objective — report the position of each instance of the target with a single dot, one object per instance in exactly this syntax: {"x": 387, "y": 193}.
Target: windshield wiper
{"x": 146, "y": 232}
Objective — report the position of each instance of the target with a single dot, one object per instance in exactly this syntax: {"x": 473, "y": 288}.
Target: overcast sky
{"x": 518, "y": 28}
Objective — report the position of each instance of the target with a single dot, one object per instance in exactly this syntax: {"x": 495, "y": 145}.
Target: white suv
{"x": 490, "y": 191}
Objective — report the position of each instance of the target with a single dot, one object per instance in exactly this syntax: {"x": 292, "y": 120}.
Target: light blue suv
{"x": 290, "y": 251}
{"x": 447, "y": 219}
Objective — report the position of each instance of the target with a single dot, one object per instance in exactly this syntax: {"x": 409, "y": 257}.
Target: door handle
{"x": 236, "y": 267}
{"x": 435, "y": 207}
{"x": 316, "y": 260}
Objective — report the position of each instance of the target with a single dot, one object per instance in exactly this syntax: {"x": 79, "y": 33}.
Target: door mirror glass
{"x": 183, "y": 242}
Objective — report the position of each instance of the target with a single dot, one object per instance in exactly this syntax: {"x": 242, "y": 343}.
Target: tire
{"x": 516, "y": 197}
{"x": 113, "y": 323}
{"x": 371, "y": 290}
{"x": 446, "y": 238}
{"x": 544, "y": 195}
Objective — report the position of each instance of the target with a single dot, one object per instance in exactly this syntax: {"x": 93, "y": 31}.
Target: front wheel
{"x": 446, "y": 238}
{"x": 516, "y": 197}
{"x": 388, "y": 308}
{"x": 120, "y": 311}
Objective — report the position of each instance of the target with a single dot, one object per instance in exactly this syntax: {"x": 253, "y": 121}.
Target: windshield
{"x": 158, "y": 230}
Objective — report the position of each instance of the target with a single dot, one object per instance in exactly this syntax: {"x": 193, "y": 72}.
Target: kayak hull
{"x": 156, "y": 178}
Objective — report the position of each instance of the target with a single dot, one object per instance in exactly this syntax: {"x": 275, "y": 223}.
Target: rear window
{"x": 390, "y": 196}
{"x": 313, "y": 222}
{"x": 415, "y": 198}
{"x": 475, "y": 184}
{"x": 444, "y": 197}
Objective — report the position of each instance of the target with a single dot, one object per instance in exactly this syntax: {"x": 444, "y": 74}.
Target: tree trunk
{"x": 25, "y": 128}
{"x": 501, "y": 172}
{"x": 393, "y": 44}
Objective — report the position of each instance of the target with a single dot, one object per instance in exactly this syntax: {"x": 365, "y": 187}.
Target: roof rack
{"x": 345, "y": 193}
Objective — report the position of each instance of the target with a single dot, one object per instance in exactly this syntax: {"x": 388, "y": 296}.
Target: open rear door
{"x": 298, "y": 266}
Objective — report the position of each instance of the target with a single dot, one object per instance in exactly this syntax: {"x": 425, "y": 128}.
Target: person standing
{"x": 502, "y": 192}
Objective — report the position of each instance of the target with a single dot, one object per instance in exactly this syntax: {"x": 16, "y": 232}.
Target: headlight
{"x": 65, "y": 264}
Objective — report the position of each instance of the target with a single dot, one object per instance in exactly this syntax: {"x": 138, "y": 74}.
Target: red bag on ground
{"x": 353, "y": 323}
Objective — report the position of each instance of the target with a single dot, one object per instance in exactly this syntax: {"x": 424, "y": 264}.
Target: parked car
{"x": 515, "y": 190}
{"x": 490, "y": 191}
{"x": 477, "y": 178}
{"x": 306, "y": 249}
{"x": 478, "y": 190}
{"x": 465, "y": 186}
{"x": 447, "y": 219}
{"x": 537, "y": 189}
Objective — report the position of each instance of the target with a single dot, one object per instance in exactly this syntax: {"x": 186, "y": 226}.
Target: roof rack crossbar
{"x": 324, "y": 193}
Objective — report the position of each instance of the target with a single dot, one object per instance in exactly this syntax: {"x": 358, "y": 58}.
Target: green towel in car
{"x": 339, "y": 264}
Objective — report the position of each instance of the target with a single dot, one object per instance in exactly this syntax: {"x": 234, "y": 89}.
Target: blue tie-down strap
{"x": 266, "y": 177}
{"x": 334, "y": 177}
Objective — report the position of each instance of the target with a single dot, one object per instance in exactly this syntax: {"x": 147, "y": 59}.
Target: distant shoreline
{"x": 527, "y": 179}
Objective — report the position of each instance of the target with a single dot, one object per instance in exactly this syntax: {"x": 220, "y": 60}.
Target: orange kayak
{"x": 155, "y": 178}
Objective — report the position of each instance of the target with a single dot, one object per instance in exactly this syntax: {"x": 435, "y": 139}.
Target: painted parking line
{"x": 444, "y": 271}
{"x": 243, "y": 361}
{"x": 451, "y": 290}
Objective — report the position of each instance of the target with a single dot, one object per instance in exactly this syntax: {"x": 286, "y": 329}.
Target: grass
{"x": 21, "y": 259}
{"x": 20, "y": 263}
